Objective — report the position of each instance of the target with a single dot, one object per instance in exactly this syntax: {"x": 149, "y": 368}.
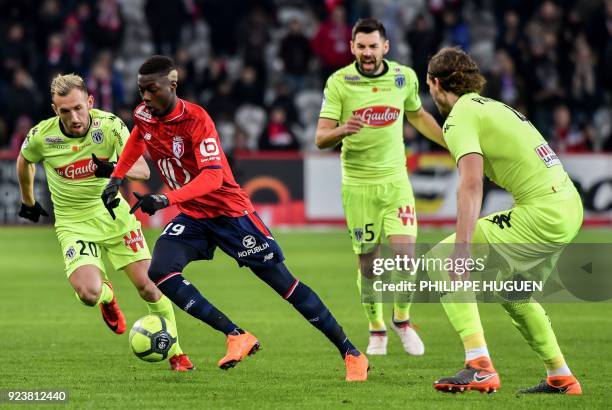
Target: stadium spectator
{"x": 15, "y": 50}
{"x": 107, "y": 31}
{"x": 249, "y": 88}
{"x": 423, "y": 40}
{"x": 165, "y": 20}
{"x": 504, "y": 84}
{"x": 24, "y": 97}
{"x": 278, "y": 134}
{"x": 331, "y": 42}
{"x": 57, "y": 59}
{"x": 105, "y": 83}
{"x": 565, "y": 136}
{"x": 295, "y": 53}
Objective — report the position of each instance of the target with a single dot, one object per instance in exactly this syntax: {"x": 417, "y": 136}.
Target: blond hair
{"x": 63, "y": 84}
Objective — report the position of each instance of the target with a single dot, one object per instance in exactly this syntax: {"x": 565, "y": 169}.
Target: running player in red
{"x": 215, "y": 212}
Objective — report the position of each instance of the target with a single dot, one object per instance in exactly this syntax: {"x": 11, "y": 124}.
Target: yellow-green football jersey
{"x": 516, "y": 156}
{"x": 75, "y": 190}
{"x": 376, "y": 154}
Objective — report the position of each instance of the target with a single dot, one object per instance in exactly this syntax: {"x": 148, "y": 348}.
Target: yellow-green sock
{"x": 163, "y": 307}
{"x": 401, "y": 312}
{"x": 532, "y": 321}
{"x": 106, "y": 294}
{"x": 372, "y": 306}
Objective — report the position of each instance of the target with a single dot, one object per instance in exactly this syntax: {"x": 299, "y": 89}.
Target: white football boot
{"x": 377, "y": 345}
{"x": 411, "y": 341}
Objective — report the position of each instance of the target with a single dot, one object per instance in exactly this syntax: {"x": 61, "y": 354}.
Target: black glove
{"x": 150, "y": 203}
{"x": 32, "y": 213}
{"x": 109, "y": 195}
{"x": 104, "y": 169}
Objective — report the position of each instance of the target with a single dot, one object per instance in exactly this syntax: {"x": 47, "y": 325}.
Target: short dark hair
{"x": 369, "y": 25}
{"x": 456, "y": 70}
{"x": 157, "y": 65}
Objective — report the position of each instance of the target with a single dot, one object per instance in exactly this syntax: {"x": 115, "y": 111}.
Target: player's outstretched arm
{"x": 134, "y": 148}
{"x": 30, "y": 209}
{"x": 427, "y": 125}
{"x": 209, "y": 180}
{"x": 140, "y": 170}
{"x": 329, "y": 134}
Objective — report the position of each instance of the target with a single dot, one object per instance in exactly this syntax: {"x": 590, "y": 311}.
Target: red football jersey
{"x": 182, "y": 144}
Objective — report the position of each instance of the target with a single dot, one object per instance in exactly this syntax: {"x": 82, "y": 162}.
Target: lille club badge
{"x": 178, "y": 148}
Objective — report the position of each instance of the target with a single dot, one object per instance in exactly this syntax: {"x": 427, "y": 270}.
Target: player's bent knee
{"x": 277, "y": 277}
{"x": 149, "y": 292}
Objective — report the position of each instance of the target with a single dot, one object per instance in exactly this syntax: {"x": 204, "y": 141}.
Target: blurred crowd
{"x": 259, "y": 66}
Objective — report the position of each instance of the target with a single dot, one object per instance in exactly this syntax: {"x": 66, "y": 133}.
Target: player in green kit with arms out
{"x": 487, "y": 137}
{"x": 76, "y": 148}
{"x": 364, "y": 106}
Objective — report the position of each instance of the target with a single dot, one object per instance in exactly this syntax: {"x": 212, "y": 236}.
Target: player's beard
{"x": 373, "y": 60}
{"x": 443, "y": 109}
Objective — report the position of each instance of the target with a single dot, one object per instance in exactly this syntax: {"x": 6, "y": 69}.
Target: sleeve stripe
{"x": 327, "y": 118}
{"x": 467, "y": 153}
{"x": 418, "y": 109}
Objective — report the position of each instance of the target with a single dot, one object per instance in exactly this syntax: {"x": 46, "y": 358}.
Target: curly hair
{"x": 457, "y": 71}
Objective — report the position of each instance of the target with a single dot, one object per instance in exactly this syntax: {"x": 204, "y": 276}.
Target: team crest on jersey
{"x": 547, "y": 155}
{"x": 358, "y": 234}
{"x": 97, "y": 136}
{"x": 95, "y": 123}
{"x": 70, "y": 253}
{"x": 178, "y": 147}
{"x": 400, "y": 80}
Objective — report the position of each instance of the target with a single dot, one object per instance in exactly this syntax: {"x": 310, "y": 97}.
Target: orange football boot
{"x": 112, "y": 315}
{"x": 181, "y": 363}
{"x": 478, "y": 374}
{"x": 238, "y": 347}
{"x": 356, "y": 367}
{"x": 556, "y": 384}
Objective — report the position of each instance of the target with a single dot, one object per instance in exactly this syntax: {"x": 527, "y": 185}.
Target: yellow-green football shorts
{"x": 528, "y": 238}
{"x": 84, "y": 242}
{"x": 372, "y": 210}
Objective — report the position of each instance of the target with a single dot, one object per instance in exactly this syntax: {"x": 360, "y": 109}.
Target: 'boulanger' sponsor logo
{"x": 378, "y": 115}
{"x": 83, "y": 168}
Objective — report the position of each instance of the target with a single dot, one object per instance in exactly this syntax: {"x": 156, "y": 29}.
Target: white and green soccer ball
{"x": 153, "y": 338}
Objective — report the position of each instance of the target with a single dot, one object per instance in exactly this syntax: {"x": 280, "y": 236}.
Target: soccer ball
{"x": 153, "y": 338}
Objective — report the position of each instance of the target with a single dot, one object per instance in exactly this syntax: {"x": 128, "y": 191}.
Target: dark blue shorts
{"x": 244, "y": 238}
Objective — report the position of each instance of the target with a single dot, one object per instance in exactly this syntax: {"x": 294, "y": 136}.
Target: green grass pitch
{"x": 51, "y": 341}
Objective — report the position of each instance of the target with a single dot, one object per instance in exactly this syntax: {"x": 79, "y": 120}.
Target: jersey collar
{"x": 178, "y": 110}
{"x": 383, "y": 72}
